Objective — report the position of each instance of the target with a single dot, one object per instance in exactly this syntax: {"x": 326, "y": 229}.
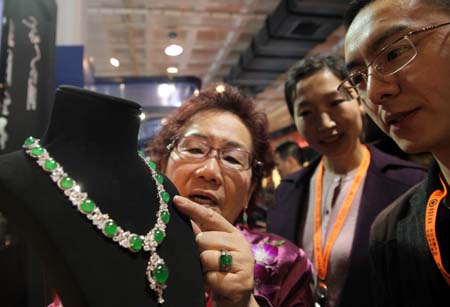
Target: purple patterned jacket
{"x": 282, "y": 271}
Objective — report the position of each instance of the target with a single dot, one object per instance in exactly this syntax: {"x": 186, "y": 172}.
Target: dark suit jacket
{"x": 387, "y": 178}
{"x": 404, "y": 272}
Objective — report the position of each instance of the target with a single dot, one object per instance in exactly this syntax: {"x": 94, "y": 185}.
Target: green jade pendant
{"x": 157, "y": 272}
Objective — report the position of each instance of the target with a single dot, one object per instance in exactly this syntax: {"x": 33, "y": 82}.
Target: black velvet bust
{"x": 94, "y": 137}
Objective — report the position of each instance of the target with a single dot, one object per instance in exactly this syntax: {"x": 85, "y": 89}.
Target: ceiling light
{"x": 173, "y": 50}
{"x": 114, "y": 62}
{"x": 172, "y": 70}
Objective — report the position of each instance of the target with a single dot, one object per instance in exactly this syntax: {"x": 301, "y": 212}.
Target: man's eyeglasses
{"x": 195, "y": 148}
{"x": 389, "y": 60}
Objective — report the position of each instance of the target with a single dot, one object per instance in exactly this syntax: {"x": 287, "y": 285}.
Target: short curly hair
{"x": 229, "y": 100}
{"x": 307, "y": 67}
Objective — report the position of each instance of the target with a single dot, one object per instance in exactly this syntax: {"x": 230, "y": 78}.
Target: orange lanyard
{"x": 430, "y": 227}
{"x": 321, "y": 257}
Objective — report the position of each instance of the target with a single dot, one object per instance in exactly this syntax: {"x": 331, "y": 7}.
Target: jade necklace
{"x": 157, "y": 272}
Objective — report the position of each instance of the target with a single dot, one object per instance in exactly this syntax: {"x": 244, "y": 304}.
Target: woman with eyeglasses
{"x": 327, "y": 208}
{"x": 215, "y": 149}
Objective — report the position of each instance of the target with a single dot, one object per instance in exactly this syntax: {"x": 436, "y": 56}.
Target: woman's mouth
{"x": 330, "y": 139}
{"x": 203, "y": 199}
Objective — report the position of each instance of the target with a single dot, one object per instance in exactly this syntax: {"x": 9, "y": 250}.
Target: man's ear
{"x": 292, "y": 161}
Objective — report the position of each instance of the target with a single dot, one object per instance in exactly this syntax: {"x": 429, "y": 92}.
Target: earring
{"x": 244, "y": 218}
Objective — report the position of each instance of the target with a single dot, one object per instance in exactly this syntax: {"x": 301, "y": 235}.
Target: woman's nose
{"x": 326, "y": 121}
{"x": 209, "y": 169}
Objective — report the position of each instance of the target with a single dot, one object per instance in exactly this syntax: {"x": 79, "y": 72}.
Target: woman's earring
{"x": 244, "y": 218}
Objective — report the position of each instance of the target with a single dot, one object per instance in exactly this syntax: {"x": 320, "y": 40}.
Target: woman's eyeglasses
{"x": 195, "y": 148}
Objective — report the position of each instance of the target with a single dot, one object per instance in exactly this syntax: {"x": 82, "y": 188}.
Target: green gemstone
{"x": 66, "y": 183}
{"x": 37, "y": 151}
{"x": 161, "y": 274}
{"x": 29, "y": 141}
{"x": 50, "y": 165}
{"x": 165, "y": 216}
{"x": 225, "y": 260}
{"x": 110, "y": 228}
{"x": 158, "y": 235}
{"x": 87, "y": 206}
{"x": 165, "y": 196}
{"x": 151, "y": 164}
{"x": 135, "y": 243}
{"x": 141, "y": 153}
{"x": 160, "y": 178}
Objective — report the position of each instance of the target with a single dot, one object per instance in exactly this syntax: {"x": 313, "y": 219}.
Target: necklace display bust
{"x": 95, "y": 137}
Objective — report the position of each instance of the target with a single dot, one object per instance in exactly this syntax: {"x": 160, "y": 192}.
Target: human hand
{"x": 213, "y": 234}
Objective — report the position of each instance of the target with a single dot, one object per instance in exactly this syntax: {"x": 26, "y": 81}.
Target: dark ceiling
{"x": 289, "y": 32}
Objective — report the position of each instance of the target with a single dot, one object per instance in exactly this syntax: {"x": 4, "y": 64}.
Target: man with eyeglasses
{"x": 398, "y": 55}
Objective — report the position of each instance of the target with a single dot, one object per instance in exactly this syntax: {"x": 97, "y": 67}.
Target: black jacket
{"x": 403, "y": 270}
{"x": 387, "y": 178}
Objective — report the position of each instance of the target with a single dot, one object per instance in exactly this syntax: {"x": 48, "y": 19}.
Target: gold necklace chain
{"x": 157, "y": 272}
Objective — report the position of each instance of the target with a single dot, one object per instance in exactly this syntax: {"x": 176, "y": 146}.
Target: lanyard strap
{"x": 321, "y": 257}
{"x": 430, "y": 227}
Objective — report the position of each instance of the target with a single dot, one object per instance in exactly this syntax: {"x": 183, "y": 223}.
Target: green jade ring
{"x": 225, "y": 261}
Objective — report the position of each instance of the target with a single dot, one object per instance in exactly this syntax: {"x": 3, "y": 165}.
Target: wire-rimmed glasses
{"x": 196, "y": 148}
{"x": 389, "y": 60}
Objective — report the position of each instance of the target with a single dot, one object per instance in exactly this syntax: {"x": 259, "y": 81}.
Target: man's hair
{"x": 309, "y": 154}
{"x": 355, "y": 6}
{"x": 307, "y": 67}
{"x": 288, "y": 149}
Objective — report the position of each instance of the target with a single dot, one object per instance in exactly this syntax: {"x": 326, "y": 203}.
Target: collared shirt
{"x": 335, "y": 189}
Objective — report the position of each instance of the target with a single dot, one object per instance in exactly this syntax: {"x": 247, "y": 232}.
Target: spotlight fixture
{"x": 172, "y": 70}
{"x": 173, "y": 50}
{"x": 114, "y": 62}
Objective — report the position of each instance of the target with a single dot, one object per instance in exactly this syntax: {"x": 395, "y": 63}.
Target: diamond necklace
{"x": 157, "y": 272}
